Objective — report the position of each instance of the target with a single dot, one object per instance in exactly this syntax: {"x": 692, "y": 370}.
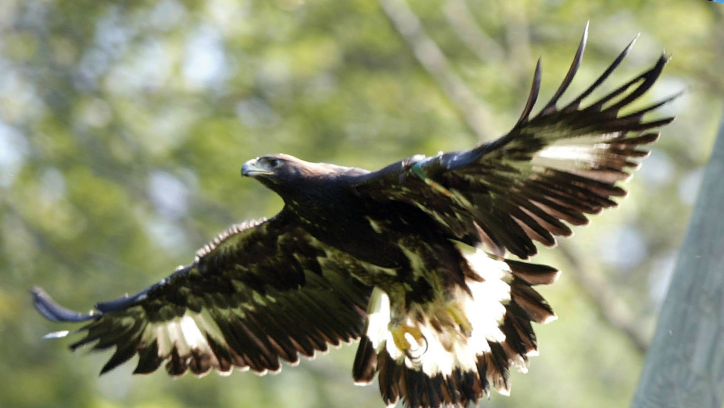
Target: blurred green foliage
{"x": 123, "y": 126}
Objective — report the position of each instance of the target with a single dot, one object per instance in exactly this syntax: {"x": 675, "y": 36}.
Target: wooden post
{"x": 684, "y": 365}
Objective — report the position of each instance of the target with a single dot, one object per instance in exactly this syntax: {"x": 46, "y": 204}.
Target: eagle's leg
{"x": 410, "y": 340}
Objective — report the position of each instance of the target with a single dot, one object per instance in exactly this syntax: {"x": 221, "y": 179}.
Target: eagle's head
{"x": 286, "y": 175}
{"x": 275, "y": 169}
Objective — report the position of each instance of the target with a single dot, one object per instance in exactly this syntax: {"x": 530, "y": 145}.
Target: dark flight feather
{"x": 244, "y": 328}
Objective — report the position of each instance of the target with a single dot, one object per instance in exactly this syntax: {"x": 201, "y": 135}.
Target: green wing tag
{"x": 417, "y": 169}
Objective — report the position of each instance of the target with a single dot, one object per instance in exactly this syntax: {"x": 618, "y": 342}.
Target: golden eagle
{"x": 410, "y": 259}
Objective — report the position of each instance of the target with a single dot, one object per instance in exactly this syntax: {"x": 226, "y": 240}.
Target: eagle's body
{"x": 381, "y": 234}
{"x": 430, "y": 296}
{"x": 410, "y": 259}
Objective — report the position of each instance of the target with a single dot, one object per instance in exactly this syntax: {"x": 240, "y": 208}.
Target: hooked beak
{"x": 252, "y": 169}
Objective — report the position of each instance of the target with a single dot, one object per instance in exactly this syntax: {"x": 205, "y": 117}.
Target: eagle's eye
{"x": 274, "y": 163}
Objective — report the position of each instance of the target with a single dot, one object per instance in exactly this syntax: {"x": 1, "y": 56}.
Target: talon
{"x": 418, "y": 355}
{"x": 411, "y": 341}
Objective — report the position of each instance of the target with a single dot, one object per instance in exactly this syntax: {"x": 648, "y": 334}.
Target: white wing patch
{"x": 577, "y": 154}
{"x": 188, "y": 335}
{"x": 378, "y": 317}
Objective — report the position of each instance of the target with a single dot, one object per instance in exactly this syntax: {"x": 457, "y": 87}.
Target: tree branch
{"x": 475, "y": 115}
{"x": 461, "y": 21}
{"x": 517, "y": 37}
{"x": 610, "y": 306}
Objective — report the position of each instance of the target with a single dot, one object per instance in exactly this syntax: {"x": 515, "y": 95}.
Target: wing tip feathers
{"x": 52, "y": 311}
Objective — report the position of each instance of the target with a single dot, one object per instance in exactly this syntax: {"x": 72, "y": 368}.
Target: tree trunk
{"x": 684, "y": 366}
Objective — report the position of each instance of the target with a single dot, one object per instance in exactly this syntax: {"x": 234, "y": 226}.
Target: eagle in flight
{"x": 410, "y": 259}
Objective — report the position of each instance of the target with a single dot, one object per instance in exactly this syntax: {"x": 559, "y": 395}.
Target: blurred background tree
{"x": 123, "y": 126}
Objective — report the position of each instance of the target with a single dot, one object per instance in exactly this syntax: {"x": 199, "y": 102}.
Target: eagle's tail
{"x": 454, "y": 354}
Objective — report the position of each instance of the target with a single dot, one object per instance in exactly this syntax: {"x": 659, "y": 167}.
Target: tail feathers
{"x": 419, "y": 389}
{"x": 457, "y": 367}
{"x": 459, "y": 387}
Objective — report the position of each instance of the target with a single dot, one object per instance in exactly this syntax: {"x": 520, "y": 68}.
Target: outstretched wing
{"x": 557, "y": 166}
{"x": 261, "y": 292}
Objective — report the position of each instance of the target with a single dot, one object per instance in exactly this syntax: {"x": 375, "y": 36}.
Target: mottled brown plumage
{"x": 395, "y": 257}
